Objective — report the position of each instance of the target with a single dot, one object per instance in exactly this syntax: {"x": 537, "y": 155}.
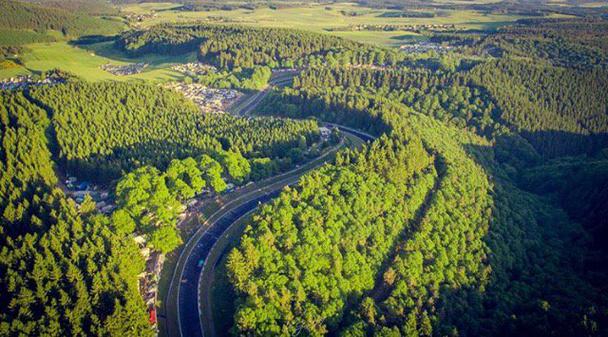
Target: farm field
{"x": 85, "y": 61}
{"x": 322, "y": 18}
{"x": 596, "y": 4}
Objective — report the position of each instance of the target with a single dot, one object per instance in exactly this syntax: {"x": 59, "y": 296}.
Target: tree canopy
{"x": 481, "y": 256}
{"x": 63, "y": 270}
{"x": 104, "y": 130}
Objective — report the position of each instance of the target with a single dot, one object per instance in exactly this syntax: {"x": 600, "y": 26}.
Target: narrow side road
{"x": 245, "y": 107}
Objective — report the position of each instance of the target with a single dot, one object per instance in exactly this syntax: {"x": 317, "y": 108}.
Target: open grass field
{"x": 321, "y": 18}
{"x": 15, "y": 37}
{"x": 86, "y": 63}
{"x": 146, "y": 7}
{"x": 596, "y": 4}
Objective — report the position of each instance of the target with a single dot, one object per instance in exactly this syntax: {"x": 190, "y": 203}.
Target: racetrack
{"x": 182, "y": 294}
{"x": 188, "y": 294}
{"x": 187, "y": 313}
{"x": 213, "y": 254}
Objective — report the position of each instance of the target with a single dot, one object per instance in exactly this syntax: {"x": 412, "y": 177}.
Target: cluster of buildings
{"x": 195, "y": 68}
{"x": 149, "y": 278}
{"x": 140, "y": 17}
{"x": 423, "y": 47}
{"x": 286, "y": 70}
{"x": 78, "y": 190}
{"x": 433, "y": 27}
{"x": 399, "y": 27}
{"x": 22, "y": 82}
{"x": 209, "y": 100}
{"x": 365, "y": 65}
{"x": 123, "y": 70}
{"x": 325, "y": 133}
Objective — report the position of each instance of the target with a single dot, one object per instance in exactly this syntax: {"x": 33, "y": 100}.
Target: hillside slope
{"x": 17, "y": 15}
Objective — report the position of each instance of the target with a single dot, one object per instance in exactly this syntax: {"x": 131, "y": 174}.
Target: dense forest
{"x": 64, "y": 271}
{"x": 478, "y": 210}
{"x": 328, "y": 239}
{"x": 243, "y": 47}
{"x": 482, "y": 256}
{"x": 150, "y": 201}
{"x": 558, "y": 111}
{"x": 463, "y": 268}
{"x": 578, "y": 43}
{"x": 580, "y": 186}
{"x": 69, "y": 270}
{"x": 104, "y": 130}
{"x": 445, "y": 96}
{"x": 246, "y": 79}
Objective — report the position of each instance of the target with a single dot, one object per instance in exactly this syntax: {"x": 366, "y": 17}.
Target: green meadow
{"x": 86, "y": 63}
{"x": 323, "y": 18}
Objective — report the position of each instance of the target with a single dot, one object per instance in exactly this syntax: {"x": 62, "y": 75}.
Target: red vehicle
{"x": 152, "y": 312}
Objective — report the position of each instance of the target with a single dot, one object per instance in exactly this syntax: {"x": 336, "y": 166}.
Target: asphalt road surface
{"x": 254, "y": 100}
{"x": 188, "y": 295}
{"x": 188, "y": 292}
{"x": 188, "y": 315}
{"x": 360, "y": 134}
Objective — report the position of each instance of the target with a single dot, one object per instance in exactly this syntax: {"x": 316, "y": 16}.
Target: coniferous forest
{"x": 482, "y": 250}
{"x": 478, "y": 208}
{"x": 69, "y": 270}
{"x": 65, "y": 271}
{"x": 104, "y": 130}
